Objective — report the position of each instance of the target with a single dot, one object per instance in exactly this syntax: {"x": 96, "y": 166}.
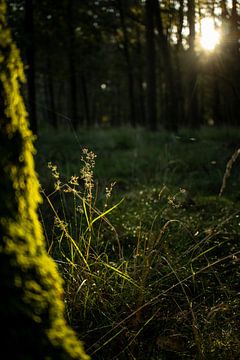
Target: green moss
{"x": 32, "y": 309}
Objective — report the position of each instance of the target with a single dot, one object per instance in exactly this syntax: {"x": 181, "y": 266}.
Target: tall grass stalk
{"x": 84, "y": 250}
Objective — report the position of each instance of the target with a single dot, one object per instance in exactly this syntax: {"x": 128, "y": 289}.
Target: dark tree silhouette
{"x": 172, "y": 108}
{"x": 30, "y": 59}
{"x": 192, "y": 116}
{"x": 129, "y": 66}
{"x": 72, "y": 66}
{"x": 174, "y": 83}
{"x": 151, "y": 67}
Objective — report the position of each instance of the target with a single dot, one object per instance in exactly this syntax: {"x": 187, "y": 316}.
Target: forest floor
{"x": 148, "y": 249}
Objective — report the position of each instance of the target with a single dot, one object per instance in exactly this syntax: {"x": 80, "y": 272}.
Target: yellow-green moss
{"x": 32, "y": 309}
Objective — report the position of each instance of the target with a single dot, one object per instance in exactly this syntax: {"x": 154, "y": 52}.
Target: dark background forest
{"x": 138, "y": 63}
{"x": 146, "y": 235}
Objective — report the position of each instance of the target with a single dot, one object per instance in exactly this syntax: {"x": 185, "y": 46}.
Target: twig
{"x": 228, "y": 170}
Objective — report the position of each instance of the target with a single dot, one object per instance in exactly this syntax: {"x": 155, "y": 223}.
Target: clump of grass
{"x": 79, "y": 244}
{"x": 153, "y": 275}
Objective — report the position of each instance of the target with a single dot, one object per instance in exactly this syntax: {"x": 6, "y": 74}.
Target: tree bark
{"x": 72, "y": 68}
{"x": 234, "y": 29}
{"x": 86, "y": 100}
{"x": 130, "y": 76}
{"x": 51, "y": 98}
{"x": 172, "y": 108}
{"x": 192, "y": 115}
{"x": 32, "y": 308}
{"x": 151, "y": 66}
{"x": 179, "y": 78}
{"x": 141, "y": 96}
{"x": 30, "y": 59}
{"x": 217, "y": 106}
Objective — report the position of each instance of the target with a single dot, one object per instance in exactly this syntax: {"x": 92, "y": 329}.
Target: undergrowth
{"x": 150, "y": 273}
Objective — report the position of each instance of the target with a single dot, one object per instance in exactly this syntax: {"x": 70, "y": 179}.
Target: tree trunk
{"x": 86, "y": 100}
{"x": 72, "y": 68}
{"x": 192, "y": 116}
{"x": 141, "y": 96}
{"x": 51, "y": 99}
{"x": 217, "y": 106}
{"x": 224, "y": 9}
{"x": 234, "y": 29}
{"x": 130, "y": 75}
{"x": 151, "y": 66}
{"x": 180, "y": 26}
{"x": 30, "y": 59}
{"x": 172, "y": 108}
{"x": 32, "y": 308}
{"x": 179, "y": 77}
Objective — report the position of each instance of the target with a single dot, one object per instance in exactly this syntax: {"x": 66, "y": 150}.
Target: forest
{"x": 119, "y": 179}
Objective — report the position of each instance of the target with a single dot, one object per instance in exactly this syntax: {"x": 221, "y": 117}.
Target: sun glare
{"x": 209, "y": 37}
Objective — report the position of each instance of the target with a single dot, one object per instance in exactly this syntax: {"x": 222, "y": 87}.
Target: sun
{"x": 209, "y": 37}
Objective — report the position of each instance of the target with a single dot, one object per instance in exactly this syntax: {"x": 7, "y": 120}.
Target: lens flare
{"x": 209, "y": 37}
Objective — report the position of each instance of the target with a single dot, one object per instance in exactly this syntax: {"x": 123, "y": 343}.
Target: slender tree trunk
{"x": 224, "y": 27}
{"x": 86, "y": 100}
{"x": 50, "y": 87}
{"x": 234, "y": 28}
{"x": 224, "y": 9}
{"x": 191, "y": 24}
{"x": 180, "y": 26}
{"x": 72, "y": 68}
{"x": 179, "y": 77}
{"x": 235, "y": 59}
{"x": 172, "y": 110}
{"x": 130, "y": 75}
{"x": 30, "y": 59}
{"x": 151, "y": 67}
{"x": 192, "y": 115}
{"x": 217, "y": 108}
{"x": 141, "y": 95}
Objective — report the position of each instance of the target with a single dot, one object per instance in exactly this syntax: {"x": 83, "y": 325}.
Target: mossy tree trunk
{"x": 32, "y": 309}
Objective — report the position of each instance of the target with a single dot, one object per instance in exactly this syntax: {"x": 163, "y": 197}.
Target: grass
{"x": 193, "y": 160}
{"x": 151, "y": 264}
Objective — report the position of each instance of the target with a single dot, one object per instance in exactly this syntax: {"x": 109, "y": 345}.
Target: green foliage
{"x": 146, "y": 158}
{"x": 160, "y": 276}
{"x": 31, "y": 289}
